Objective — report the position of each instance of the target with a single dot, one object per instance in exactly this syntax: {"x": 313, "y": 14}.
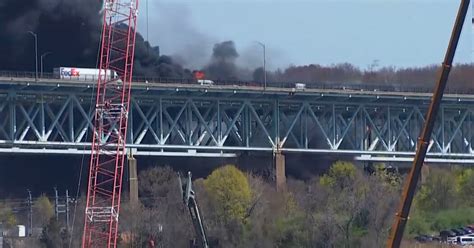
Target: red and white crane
{"x": 110, "y": 123}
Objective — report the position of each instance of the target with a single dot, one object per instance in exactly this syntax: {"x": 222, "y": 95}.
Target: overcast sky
{"x": 398, "y": 33}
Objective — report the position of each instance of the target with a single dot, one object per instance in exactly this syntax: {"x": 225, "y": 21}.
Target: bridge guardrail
{"x": 284, "y": 85}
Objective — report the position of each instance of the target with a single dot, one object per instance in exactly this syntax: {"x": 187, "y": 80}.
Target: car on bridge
{"x": 205, "y": 82}
{"x": 200, "y": 78}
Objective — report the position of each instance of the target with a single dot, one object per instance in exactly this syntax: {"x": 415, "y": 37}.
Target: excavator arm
{"x": 189, "y": 199}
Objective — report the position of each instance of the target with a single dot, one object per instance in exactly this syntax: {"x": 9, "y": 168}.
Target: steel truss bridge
{"x": 55, "y": 116}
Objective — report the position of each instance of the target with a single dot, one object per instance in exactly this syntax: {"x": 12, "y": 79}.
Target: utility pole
{"x": 56, "y": 203}
{"x": 67, "y": 209}
{"x": 30, "y": 205}
{"x": 1, "y": 235}
{"x": 61, "y": 208}
{"x": 36, "y": 54}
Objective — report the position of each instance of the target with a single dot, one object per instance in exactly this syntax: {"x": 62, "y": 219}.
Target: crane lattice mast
{"x": 110, "y": 123}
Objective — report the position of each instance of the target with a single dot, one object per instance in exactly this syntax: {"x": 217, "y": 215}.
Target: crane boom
{"x": 398, "y": 227}
{"x": 117, "y": 50}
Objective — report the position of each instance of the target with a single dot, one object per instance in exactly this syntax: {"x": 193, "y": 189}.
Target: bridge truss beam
{"x": 59, "y": 122}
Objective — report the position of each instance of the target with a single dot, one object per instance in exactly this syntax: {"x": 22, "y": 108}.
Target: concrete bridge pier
{"x": 280, "y": 174}
{"x": 425, "y": 172}
{"x": 133, "y": 179}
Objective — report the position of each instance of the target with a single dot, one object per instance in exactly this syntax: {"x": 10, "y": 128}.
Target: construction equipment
{"x": 110, "y": 123}
{"x": 423, "y": 141}
{"x": 189, "y": 199}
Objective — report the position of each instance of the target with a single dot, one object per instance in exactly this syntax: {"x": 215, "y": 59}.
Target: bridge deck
{"x": 350, "y": 89}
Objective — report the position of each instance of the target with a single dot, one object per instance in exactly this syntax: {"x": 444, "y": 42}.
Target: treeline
{"x": 461, "y": 76}
{"x": 345, "y": 207}
{"x": 444, "y": 201}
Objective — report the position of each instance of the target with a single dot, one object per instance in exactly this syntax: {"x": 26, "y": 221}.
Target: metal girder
{"x": 179, "y": 122}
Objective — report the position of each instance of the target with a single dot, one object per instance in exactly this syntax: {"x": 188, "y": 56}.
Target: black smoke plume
{"x": 149, "y": 63}
{"x": 70, "y": 31}
{"x": 222, "y": 65}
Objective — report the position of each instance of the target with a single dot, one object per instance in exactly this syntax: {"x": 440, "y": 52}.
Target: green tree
{"x": 418, "y": 223}
{"x": 44, "y": 210}
{"x": 465, "y": 186}
{"x": 7, "y": 217}
{"x": 382, "y": 199}
{"x": 433, "y": 222}
{"x": 438, "y": 192}
{"x": 289, "y": 225}
{"x": 230, "y": 191}
{"x": 340, "y": 175}
{"x": 347, "y": 190}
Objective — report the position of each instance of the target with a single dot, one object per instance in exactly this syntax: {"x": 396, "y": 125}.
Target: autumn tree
{"x": 162, "y": 216}
{"x": 141, "y": 224}
{"x": 391, "y": 78}
{"x": 156, "y": 183}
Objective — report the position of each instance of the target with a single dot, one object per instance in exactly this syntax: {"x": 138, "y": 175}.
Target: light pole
{"x": 264, "y": 65}
{"x": 41, "y": 59}
{"x": 36, "y": 54}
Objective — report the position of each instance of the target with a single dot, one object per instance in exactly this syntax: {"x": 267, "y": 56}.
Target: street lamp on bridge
{"x": 264, "y": 65}
{"x": 36, "y": 53}
{"x": 42, "y": 57}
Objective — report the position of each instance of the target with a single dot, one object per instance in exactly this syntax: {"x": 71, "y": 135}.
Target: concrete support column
{"x": 279, "y": 160}
{"x": 425, "y": 172}
{"x": 132, "y": 169}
